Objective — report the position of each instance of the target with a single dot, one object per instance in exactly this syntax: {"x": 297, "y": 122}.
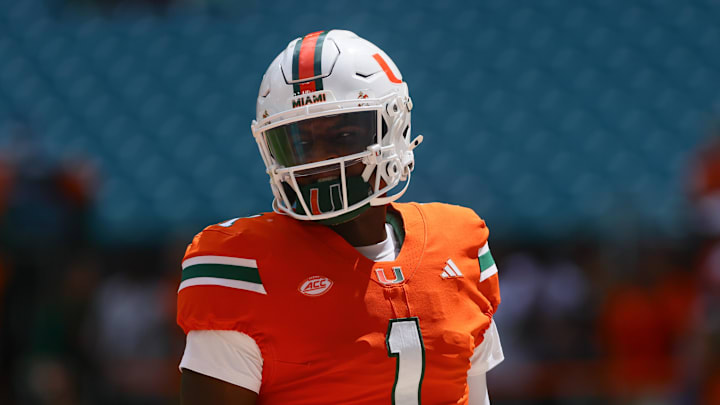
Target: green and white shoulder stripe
{"x": 233, "y": 272}
{"x": 487, "y": 263}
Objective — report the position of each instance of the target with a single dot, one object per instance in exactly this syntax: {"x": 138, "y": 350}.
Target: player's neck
{"x": 367, "y": 229}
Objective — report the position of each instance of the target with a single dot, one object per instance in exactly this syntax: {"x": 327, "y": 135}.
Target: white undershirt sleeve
{"x": 478, "y": 393}
{"x": 227, "y": 355}
{"x": 486, "y": 356}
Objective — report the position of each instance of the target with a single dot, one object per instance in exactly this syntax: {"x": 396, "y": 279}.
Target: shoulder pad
{"x": 456, "y": 219}
{"x": 221, "y": 274}
{"x": 237, "y": 236}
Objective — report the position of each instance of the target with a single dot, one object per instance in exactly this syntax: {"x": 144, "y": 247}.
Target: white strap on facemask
{"x": 387, "y": 200}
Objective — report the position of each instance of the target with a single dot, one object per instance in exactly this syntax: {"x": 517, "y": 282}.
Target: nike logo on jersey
{"x": 451, "y": 270}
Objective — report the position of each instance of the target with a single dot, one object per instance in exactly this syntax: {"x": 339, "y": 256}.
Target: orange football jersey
{"x": 336, "y": 328}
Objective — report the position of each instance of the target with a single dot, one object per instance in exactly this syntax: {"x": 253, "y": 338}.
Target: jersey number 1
{"x": 404, "y": 341}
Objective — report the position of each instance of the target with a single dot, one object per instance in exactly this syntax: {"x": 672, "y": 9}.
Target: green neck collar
{"x": 395, "y": 220}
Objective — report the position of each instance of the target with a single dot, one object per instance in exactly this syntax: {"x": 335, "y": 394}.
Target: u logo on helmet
{"x": 315, "y": 199}
{"x": 314, "y": 203}
{"x": 386, "y": 69}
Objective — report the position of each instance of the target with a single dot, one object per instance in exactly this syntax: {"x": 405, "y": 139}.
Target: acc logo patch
{"x": 315, "y": 286}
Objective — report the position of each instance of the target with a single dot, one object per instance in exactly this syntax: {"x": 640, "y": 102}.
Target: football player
{"x": 341, "y": 295}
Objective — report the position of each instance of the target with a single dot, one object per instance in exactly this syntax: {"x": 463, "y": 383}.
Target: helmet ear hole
{"x": 392, "y": 169}
{"x": 392, "y": 108}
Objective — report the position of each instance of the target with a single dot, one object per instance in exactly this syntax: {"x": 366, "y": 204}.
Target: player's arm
{"x": 478, "y": 393}
{"x": 199, "y": 389}
{"x": 221, "y": 364}
{"x": 220, "y": 367}
{"x": 485, "y": 357}
{"x": 489, "y": 353}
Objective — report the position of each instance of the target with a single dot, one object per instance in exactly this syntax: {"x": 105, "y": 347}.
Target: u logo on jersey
{"x": 397, "y": 271}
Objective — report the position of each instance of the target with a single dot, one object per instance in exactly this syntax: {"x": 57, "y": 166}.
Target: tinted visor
{"x": 322, "y": 138}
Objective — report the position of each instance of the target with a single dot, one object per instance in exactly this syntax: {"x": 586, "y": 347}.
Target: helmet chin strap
{"x": 387, "y": 200}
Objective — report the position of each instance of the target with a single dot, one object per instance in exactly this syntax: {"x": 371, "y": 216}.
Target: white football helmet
{"x": 333, "y": 127}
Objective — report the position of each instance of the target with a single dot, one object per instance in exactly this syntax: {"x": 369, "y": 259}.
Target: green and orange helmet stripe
{"x": 307, "y": 63}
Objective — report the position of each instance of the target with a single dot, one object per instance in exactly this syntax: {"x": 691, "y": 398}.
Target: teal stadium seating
{"x": 545, "y": 116}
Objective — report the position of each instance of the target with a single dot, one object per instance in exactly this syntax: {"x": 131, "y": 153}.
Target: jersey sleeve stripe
{"x": 237, "y": 284}
{"x": 487, "y": 273}
{"x": 232, "y": 261}
{"x": 487, "y": 263}
{"x": 486, "y": 260}
{"x": 484, "y": 249}
{"x": 249, "y": 274}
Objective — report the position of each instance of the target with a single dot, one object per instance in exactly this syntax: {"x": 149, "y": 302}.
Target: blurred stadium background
{"x": 585, "y": 133}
